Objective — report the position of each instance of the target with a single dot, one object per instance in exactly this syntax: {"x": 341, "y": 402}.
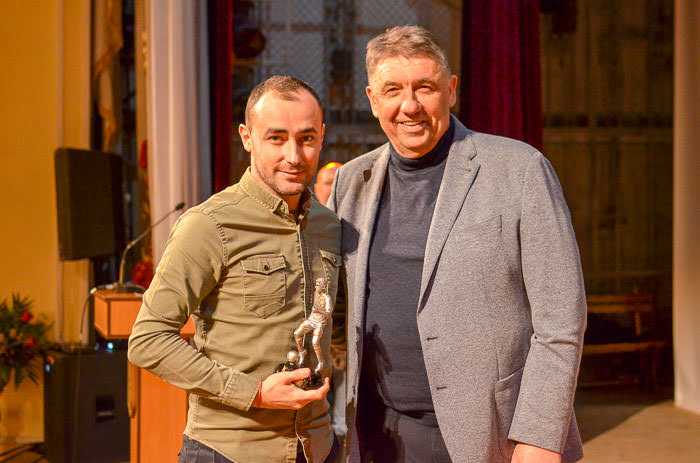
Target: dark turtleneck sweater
{"x": 393, "y": 370}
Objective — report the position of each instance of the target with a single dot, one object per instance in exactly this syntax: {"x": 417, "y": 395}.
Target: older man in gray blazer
{"x": 465, "y": 299}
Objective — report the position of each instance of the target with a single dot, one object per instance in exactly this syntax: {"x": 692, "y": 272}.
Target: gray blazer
{"x": 502, "y": 306}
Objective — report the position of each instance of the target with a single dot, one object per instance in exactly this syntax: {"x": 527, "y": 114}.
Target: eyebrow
{"x": 273, "y": 130}
{"x": 391, "y": 83}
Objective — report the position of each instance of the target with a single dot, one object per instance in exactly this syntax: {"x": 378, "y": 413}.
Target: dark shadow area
{"x": 600, "y": 409}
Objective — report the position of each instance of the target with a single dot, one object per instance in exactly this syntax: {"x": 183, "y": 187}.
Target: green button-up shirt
{"x": 243, "y": 267}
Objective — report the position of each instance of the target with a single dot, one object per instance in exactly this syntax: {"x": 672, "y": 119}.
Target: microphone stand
{"x": 122, "y": 287}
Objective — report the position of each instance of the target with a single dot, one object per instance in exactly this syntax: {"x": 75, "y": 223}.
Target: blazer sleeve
{"x": 553, "y": 280}
{"x": 339, "y": 338}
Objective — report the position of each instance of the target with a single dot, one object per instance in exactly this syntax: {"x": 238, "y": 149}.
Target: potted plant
{"x": 22, "y": 340}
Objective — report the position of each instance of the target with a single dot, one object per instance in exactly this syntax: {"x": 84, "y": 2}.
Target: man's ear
{"x": 246, "y": 137}
{"x": 452, "y": 86}
{"x": 368, "y": 90}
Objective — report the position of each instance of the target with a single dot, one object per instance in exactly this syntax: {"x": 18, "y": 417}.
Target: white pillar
{"x": 686, "y": 205}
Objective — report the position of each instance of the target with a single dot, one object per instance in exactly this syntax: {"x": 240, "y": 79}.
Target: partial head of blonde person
{"x": 324, "y": 181}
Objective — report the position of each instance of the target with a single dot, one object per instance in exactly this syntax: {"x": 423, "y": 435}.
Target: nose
{"x": 410, "y": 104}
{"x": 292, "y": 153}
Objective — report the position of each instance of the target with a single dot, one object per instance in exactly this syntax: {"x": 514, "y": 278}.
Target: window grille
{"x": 323, "y": 42}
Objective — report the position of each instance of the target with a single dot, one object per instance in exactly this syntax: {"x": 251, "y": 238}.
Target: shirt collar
{"x": 270, "y": 200}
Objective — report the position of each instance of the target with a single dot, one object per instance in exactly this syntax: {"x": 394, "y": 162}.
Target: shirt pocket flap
{"x": 263, "y": 264}
{"x": 332, "y": 257}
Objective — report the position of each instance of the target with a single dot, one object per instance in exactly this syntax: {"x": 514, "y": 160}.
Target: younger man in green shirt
{"x": 243, "y": 265}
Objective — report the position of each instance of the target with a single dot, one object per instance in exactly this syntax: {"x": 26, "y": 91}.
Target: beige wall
{"x": 45, "y": 99}
{"x": 686, "y": 210}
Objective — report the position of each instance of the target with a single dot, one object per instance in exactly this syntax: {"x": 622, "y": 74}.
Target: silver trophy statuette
{"x": 316, "y": 323}
{"x": 321, "y": 312}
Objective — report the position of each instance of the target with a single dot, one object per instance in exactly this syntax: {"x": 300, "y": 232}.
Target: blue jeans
{"x": 193, "y": 451}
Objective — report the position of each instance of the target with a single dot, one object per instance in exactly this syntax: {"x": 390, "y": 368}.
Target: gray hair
{"x": 406, "y": 41}
{"x": 287, "y": 87}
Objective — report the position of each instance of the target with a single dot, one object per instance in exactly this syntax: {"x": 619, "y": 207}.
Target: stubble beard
{"x": 294, "y": 189}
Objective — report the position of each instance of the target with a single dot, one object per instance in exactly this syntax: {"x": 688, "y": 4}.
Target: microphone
{"x": 120, "y": 286}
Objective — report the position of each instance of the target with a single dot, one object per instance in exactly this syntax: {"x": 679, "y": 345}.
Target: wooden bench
{"x": 636, "y": 306}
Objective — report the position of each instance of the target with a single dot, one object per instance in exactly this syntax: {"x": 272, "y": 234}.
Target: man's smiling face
{"x": 284, "y": 138}
{"x": 412, "y": 97}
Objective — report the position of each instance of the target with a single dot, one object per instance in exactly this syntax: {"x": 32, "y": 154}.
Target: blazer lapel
{"x": 373, "y": 180}
{"x": 460, "y": 172}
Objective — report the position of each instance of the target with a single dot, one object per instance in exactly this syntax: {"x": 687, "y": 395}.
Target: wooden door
{"x": 607, "y": 87}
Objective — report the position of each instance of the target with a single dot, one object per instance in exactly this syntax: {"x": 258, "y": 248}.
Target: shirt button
{"x": 266, "y": 267}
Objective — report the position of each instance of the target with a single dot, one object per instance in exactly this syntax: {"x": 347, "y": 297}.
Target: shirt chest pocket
{"x": 264, "y": 284}
{"x": 331, "y": 266}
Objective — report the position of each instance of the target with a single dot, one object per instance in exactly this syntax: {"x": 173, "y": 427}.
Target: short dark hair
{"x": 287, "y": 87}
{"x": 407, "y": 41}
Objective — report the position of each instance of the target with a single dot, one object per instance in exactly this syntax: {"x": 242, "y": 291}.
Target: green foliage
{"x": 22, "y": 340}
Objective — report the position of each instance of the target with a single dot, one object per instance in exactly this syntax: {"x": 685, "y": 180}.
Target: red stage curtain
{"x": 500, "y": 91}
{"x": 222, "y": 15}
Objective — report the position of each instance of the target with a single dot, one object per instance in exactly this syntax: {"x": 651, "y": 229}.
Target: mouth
{"x": 412, "y": 126}
{"x": 292, "y": 174}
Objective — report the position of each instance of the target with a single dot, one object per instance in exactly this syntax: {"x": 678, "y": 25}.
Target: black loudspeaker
{"x": 100, "y": 434}
{"x": 89, "y": 203}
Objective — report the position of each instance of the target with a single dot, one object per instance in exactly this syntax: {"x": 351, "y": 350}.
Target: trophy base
{"x": 313, "y": 381}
